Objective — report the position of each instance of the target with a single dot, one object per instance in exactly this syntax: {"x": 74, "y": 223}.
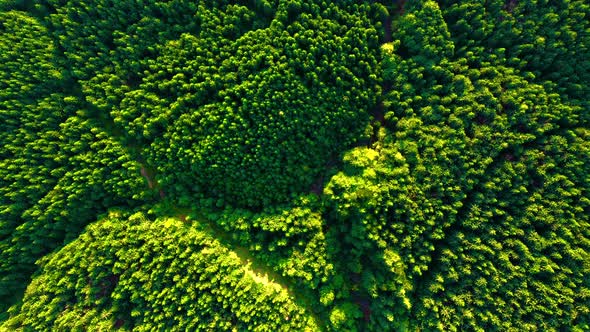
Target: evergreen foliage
{"x": 476, "y": 197}
{"x": 152, "y": 275}
{"x": 59, "y": 170}
{"x": 265, "y": 89}
{"x": 288, "y": 165}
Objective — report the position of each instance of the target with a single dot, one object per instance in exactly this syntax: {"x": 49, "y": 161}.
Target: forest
{"x": 294, "y": 165}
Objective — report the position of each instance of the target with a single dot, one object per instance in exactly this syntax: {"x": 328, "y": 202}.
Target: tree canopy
{"x": 288, "y": 165}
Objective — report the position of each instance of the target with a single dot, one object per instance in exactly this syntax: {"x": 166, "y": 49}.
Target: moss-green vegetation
{"x": 153, "y": 275}
{"x": 295, "y": 165}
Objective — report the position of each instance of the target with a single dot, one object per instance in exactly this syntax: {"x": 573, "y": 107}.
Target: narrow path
{"x": 361, "y": 297}
{"x": 254, "y": 266}
{"x": 510, "y": 5}
{"x": 378, "y": 112}
{"x": 401, "y": 7}
{"x": 387, "y": 22}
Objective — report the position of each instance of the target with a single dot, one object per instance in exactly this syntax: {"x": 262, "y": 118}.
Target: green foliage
{"x": 463, "y": 215}
{"x": 250, "y": 112}
{"x": 136, "y": 274}
{"x": 548, "y": 38}
{"x": 59, "y": 170}
{"x": 341, "y": 316}
{"x": 294, "y": 245}
{"x": 523, "y": 245}
{"x": 267, "y": 107}
{"x": 289, "y": 239}
{"x": 305, "y": 165}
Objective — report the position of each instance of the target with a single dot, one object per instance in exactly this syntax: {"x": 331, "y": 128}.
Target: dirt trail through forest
{"x": 378, "y": 112}
{"x": 363, "y": 298}
{"x": 253, "y": 266}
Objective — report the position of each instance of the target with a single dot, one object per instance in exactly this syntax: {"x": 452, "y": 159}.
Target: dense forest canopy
{"x": 290, "y": 165}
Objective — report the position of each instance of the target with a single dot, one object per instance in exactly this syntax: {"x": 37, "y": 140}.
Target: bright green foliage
{"x": 308, "y": 165}
{"x": 289, "y": 239}
{"x": 58, "y": 169}
{"x": 523, "y": 245}
{"x": 249, "y": 112}
{"x": 550, "y": 39}
{"x": 291, "y": 244}
{"x": 471, "y": 212}
{"x": 424, "y": 33}
{"x": 394, "y": 202}
{"x": 153, "y": 275}
{"x": 267, "y": 104}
